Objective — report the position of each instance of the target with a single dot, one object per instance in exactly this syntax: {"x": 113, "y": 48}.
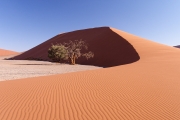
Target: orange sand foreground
{"x": 148, "y": 89}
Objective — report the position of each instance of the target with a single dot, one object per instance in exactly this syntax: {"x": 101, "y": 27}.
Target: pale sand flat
{"x": 148, "y": 89}
{"x": 16, "y": 69}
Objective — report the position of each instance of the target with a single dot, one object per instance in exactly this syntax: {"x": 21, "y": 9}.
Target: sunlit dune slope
{"x": 109, "y": 48}
{"x": 7, "y": 52}
{"x": 148, "y": 89}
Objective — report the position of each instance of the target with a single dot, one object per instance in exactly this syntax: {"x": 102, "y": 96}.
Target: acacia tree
{"x": 70, "y": 50}
{"x": 57, "y": 52}
{"x": 74, "y": 50}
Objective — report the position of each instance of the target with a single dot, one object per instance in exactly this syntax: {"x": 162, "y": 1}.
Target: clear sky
{"x": 27, "y": 23}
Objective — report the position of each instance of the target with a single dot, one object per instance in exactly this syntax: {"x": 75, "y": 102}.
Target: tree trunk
{"x": 74, "y": 59}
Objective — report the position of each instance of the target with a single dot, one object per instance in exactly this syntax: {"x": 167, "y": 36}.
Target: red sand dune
{"x": 7, "y": 52}
{"x": 109, "y": 48}
{"x": 148, "y": 89}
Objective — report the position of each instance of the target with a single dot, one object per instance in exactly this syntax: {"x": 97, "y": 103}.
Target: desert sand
{"x": 144, "y": 86}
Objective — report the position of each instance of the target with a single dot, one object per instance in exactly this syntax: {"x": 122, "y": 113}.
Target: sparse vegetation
{"x": 70, "y": 50}
{"x": 57, "y": 52}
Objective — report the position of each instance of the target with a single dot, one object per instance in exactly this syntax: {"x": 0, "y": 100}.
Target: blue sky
{"x": 27, "y": 23}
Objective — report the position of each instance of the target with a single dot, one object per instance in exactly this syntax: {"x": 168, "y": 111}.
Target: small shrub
{"x": 57, "y": 52}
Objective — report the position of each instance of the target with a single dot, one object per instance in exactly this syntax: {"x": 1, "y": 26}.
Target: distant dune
{"x": 144, "y": 86}
{"x": 178, "y": 46}
{"x": 7, "y": 52}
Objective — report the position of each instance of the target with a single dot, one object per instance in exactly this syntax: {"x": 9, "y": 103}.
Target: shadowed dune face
{"x": 7, "y": 52}
{"x": 109, "y": 48}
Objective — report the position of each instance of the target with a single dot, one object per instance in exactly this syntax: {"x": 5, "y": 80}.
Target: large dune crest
{"x": 146, "y": 89}
{"x": 4, "y": 52}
